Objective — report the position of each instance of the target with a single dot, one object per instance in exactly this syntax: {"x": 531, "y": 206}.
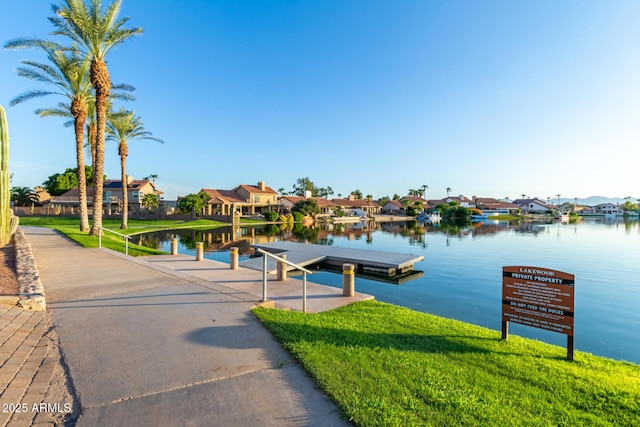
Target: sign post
{"x": 538, "y": 297}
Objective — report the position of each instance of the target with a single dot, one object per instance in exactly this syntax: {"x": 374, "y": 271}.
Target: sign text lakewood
{"x": 539, "y": 297}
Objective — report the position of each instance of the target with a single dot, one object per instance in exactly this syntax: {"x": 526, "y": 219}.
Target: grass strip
{"x": 70, "y": 227}
{"x": 385, "y": 365}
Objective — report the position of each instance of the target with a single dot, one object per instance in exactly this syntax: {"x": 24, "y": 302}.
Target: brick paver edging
{"x": 31, "y": 291}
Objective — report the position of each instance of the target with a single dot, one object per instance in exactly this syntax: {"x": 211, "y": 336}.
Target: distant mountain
{"x": 593, "y": 200}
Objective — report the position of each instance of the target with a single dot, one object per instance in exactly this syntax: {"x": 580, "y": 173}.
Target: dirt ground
{"x": 8, "y": 277}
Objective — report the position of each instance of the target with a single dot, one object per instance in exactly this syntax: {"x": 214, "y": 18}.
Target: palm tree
{"x": 119, "y": 91}
{"x": 124, "y": 126}
{"x": 558, "y": 196}
{"x": 96, "y": 31}
{"x": 69, "y": 75}
{"x": 23, "y": 196}
{"x": 424, "y": 188}
{"x": 152, "y": 177}
{"x": 150, "y": 201}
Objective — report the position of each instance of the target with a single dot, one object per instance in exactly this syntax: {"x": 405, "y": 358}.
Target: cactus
{"x": 5, "y": 193}
{"x": 13, "y": 223}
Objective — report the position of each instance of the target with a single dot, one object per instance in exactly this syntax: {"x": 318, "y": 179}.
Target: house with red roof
{"x": 244, "y": 199}
{"x": 111, "y": 195}
{"x": 326, "y": 206}
{"x": 359, "y": 207}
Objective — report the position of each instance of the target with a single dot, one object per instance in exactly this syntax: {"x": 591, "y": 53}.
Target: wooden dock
{"x": 366, "y": 261}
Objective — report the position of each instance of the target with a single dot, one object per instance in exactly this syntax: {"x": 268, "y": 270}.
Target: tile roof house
{"x": 392, "y": 207}
{"x": 416, "y": 201}
{"x": 326, "y": 206}
{"x": 464, "y": 202}
{"x": 244, "y": 199}
{"x": 358, "y": 206}
{"x": 534, "y": 205}
{"x": 488, "y": 203}
{"x": 112, "y": 194}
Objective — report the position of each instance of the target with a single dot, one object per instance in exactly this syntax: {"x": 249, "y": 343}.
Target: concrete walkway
{"x": 168, "y": 341}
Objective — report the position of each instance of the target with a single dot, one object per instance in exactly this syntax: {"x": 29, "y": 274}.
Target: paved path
{"x": 168, "y": 341}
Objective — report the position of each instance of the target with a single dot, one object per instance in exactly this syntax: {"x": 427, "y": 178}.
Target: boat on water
{"x": 433, "y": 217}
{"x": 347, "y": 219}
{"x": 564, "y": 217}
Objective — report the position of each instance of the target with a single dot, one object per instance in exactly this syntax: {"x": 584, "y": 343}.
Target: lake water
{"x": 463, "y": 269}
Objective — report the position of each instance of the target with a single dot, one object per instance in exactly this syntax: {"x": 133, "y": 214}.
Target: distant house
{"x": 392, "y": 207}
{"x": 534, "y": 206}
{"x": 415, "y": 199}
{"x": 243, "y": 199}
{"x": 464, "y": 202}
{"x": 490, "y": 204}
{"x": 360, "y": 207}
{"x": 288, "y": 202}
{"x": 111, "y": 195}
{"x": 43, "y": 196}
{"x": 608, "y": 209}
{"x": 136, "y": 190}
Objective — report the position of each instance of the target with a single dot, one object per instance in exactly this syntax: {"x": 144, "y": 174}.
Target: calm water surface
{"x": 463, "y": 270}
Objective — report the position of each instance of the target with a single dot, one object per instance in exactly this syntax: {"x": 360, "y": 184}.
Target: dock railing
{"x": 126, "y": 238}
{"x": 266, "y": 254}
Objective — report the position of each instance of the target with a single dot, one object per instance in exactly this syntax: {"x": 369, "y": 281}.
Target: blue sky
{"x": 489, "y": 98}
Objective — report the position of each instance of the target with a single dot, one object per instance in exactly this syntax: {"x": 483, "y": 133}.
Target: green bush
{"x": 297, "y": 217}
{"x": 271, "y": 216}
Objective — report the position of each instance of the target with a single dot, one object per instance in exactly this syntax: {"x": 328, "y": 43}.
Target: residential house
{"x": 111, "y": 196}
{"x": 243, "y": 199}
{"x": 464, "y": 202}
{"x": 608, "y": 209}
{"x": 358, "y": 207}
{"x": 288, "y": 202}
{"x": 534, "y": 206}
{"x": 393, "y": 207}
{"x": 418, "y": 204}
{"x": 136, "y": 190}
{"x": 43, "y": 196}
{"x": 490, "y": 204}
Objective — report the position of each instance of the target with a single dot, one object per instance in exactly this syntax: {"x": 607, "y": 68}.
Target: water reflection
{"x": 413, "y": 232}
{"x": 463, "y": 263}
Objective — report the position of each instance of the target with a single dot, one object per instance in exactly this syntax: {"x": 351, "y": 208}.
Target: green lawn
{"x": 70, "y": 227}
{"x": 385, "y": 365}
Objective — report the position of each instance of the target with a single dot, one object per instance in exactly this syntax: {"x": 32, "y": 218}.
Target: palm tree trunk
{"x": 80, "y": 117}
{"x": 122, "y": 149}
{"x": 100, "y": 81}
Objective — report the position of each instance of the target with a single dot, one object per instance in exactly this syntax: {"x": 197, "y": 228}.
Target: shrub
{"x": 297, "y": 217}
{"x": 271, "y": 216}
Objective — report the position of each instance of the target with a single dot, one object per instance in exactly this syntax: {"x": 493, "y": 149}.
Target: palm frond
{"x": 29, "y": 95}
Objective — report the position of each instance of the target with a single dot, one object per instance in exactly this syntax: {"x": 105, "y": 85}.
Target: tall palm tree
{"x": 96, "y": 30}
{"x": 152, "y": 177}
{"x": 69, "y": 74}
{"x": 122, "y": 127}
{"x": 424, "y": 188}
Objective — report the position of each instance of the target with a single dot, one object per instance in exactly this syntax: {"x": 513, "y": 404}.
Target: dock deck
{"x": 304, "y": 254}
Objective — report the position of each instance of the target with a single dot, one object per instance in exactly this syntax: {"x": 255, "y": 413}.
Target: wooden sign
{"x": 538, "y": 297}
